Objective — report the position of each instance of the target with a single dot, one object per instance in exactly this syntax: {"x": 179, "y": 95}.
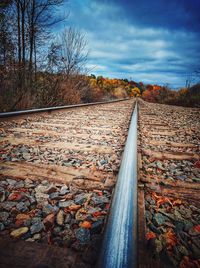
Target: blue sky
{"x": 153, "y": 41}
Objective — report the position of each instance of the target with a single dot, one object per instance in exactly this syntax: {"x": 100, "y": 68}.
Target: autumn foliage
{"x": 162, "y": 94}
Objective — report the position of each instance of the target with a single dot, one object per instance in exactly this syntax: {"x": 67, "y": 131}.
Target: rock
{"x": 31, "y": 199}
{"x": 19, "y": 232}
{"x": 67, "y": 234}
{"x": 54, "y": 195}
{"x": 22, "y": 217}
{"x": 187, "y": 225}
{"x": 51, "y": 189}
{"x": 158, "y": 246}
{"x": 82, "y": 235}
{"x": 2, "y": 194}
{"x": 148, "y": 215}
{"x": 80, "y": 199}
{"x": 37, "y": 225}
{"x": 37, "y": 236}
{"x": 158, "y": 219}
{"x": 64, "y": 204}
{"x": 40, "y": 194}
{"x": 183, "y": 250}
{"x": 103, "y": 162}
{"x": 48, "y": 209}
{"x": 41, "y": 197}
{"x": 97, "y": 227}
{"x": 4, "y": 216}
{"x": 74, "y": 207}
{"x": 11, "y": 182}
{"x": 21, "y": 206}
{"x": 19, "y": 184}
{"x": 49, "y": 221}
{"x": 68, "y": 218}
{"x": 2, "y": 227}
{"x": 60, "y": 218}
{"x": 64, "y": 190}
{"x": 8, "y": 205}
{"x": 99, "y": 200}
{"x": 153, "y": 228}
{"x": 195, "y": 251}
{"x": 57, "y": 230}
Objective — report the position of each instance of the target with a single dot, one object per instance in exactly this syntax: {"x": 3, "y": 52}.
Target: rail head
{"x": 49, "y": 109}
{"x": 119, "y": 248}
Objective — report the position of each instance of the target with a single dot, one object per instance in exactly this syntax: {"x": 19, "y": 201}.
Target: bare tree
{"x": 74, "y": 51}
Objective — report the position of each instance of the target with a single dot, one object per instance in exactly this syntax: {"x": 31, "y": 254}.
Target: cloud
{"x": 157, "y": 43}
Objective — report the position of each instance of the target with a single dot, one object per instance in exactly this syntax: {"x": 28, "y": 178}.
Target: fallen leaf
{"x": 86, "y": 225}
{"x": 171, "y": 239}
{"x": 150, "y": 235}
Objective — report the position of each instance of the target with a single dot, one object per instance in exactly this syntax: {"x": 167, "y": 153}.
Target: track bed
{"x": 57, "y": 174}
{"x": 169, "y": 186}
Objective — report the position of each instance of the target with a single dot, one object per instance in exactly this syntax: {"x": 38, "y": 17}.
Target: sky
{"x": 153, "y": 41}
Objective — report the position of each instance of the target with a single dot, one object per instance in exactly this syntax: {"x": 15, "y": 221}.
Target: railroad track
{"x": 58, "y": 173}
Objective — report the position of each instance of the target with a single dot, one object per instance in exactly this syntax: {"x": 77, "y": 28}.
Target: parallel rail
{"x": 49, "y": 109}
{"x": 119, "y": 249}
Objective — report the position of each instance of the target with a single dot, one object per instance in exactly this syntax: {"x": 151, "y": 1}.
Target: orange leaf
{"x": 150, "y": 235}
{"x": 86, "y": 224}
{"x": 170, "y": 238}
{"x": 97, "y": 214}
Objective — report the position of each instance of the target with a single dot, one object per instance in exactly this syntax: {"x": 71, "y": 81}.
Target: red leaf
{"x": 150, "y": 235}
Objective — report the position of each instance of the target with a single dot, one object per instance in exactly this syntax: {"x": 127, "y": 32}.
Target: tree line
{"x": 38, "y": 69}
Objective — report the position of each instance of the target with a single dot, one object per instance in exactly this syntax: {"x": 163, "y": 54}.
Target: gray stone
{"x": 37, "y": 225}
{"x": 11, "y": 182}
{"x": 64, "y": 190}
{"x": 8, "y": 205}
{"x": 99, "y": 200}
{"x": 4, "y": 216}
{"x": 158, "y": 219}
{"x": 54, "y": 195}
{"x": 83, "y": 235}
{"x": 21, "y": 206}
{"x": 2, "y": 194}
{"x": 80, "y": 199}
{"x": 68, "y": 218}
{"x": 97, "y": 227}
{"x": 2, "y": 227}
{"x": 19, "y": 184}
{"x": 47, "y": 209}
{"x": 64, "y": 204}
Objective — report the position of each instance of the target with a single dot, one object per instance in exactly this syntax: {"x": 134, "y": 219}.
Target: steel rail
{"x": 119, "y": 247}
{"x": 49, "y": 109}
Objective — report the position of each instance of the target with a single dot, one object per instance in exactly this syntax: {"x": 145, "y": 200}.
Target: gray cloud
{"x": 123, "y": 45}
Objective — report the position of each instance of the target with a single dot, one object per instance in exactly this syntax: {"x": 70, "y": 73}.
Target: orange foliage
{"x": 171, "y": 239}
{"x": 160, "y": 200}
{"x": 150, "y": 235}
{"x": 86, "y": 225}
